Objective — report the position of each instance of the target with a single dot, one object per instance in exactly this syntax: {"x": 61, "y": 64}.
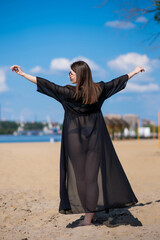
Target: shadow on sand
{"x": 114, "y": 218}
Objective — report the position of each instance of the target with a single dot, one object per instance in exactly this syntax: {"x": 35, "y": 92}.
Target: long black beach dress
{"x": 91, "y": 176}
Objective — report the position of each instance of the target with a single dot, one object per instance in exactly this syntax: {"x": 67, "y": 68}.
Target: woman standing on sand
{"x": 91, "y": 176}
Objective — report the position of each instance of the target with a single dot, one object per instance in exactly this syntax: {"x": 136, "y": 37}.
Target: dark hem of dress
{"x": 69, "y": 211}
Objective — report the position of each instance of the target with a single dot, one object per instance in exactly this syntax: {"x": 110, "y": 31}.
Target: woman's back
{"x": 64, "y": 94}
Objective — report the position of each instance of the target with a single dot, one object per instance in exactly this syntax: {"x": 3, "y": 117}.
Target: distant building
{"x": 131, "y": 119}
{"x": 115, "y": 120}
{"x": 146, "y": 122}
{"x": 113, "y": 116}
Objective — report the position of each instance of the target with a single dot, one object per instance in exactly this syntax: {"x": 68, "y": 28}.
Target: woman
{"x": 91, "y": 176}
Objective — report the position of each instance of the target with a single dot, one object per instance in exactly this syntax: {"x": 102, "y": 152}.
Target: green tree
{"x": 33, "y": 126}
{"x": 8, "y": 127}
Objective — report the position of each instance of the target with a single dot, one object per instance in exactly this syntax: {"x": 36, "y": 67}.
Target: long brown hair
{"x": 85, "y": 88}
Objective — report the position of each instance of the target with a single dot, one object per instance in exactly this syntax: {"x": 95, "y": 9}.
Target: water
{"x": 32, "y": 138}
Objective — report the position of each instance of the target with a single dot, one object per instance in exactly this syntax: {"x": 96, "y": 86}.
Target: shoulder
{"x": 101, "y": 84}
{"x": 70, "y": 90}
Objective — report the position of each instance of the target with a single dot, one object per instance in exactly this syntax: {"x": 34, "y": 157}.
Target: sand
{"x": 29, "y": 195}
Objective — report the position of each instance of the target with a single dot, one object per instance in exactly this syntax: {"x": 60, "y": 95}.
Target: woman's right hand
{"x": 17, "y": 69}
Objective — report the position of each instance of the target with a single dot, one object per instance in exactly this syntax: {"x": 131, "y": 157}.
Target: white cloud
{"x": 128, "y": 61}
{"x": 131, "y": 87}
{"x": 125, "y": 24}
{"x": 141, "y": 19}
{"x": 143, "y": 78}
{"x": 37, "y": 69}
{"x": 61, "y": 64}
{"x": 3, "y": 85}
{"x": 120, "y": 24}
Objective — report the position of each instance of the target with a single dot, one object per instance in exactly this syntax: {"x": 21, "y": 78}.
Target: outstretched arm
{"x": 19, "y": 71}
{"x": 119, "y": 83}
{"x": 45, "y": 86}
{"x": 135, "y": 71}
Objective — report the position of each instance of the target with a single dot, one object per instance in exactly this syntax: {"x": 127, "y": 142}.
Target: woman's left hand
{"x": 139, "y": 69}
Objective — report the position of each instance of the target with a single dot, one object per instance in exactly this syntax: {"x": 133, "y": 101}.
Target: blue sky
{"x": 44, "y": 38}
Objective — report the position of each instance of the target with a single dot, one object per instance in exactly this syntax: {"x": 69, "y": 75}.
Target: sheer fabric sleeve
{"x": 51, "y": 89}
{"x": 115, "y": 85}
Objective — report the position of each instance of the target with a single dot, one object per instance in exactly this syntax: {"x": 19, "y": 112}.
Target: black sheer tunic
{"x": 91, "y": 175}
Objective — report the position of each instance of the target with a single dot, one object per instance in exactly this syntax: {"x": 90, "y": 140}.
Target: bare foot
{"x": 84, "y": 223}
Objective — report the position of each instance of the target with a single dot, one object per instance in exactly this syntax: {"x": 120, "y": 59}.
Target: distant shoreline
{"x": 32, "y": 138}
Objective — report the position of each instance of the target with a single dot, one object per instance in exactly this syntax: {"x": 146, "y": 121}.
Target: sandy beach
{"x": 29, "y": 195}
